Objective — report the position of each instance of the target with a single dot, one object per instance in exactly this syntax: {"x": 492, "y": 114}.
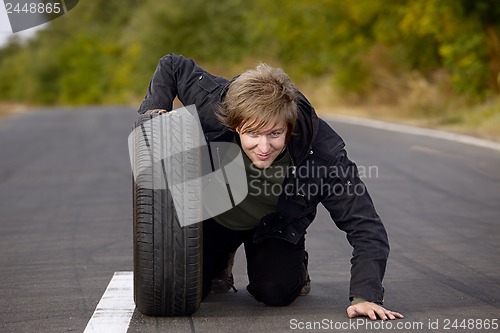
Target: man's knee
{"x": 274, "y": 293}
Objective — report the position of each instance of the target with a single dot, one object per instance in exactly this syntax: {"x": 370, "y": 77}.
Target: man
{"x": 293, "y": 161}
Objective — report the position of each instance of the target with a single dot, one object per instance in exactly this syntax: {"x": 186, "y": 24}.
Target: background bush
{"x": 422, "y": 54}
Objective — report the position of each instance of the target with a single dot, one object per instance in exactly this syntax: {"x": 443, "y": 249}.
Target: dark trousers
{"x": 275, "y": 267}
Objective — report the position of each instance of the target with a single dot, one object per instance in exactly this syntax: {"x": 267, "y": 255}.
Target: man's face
{"x": 263, "y": 146}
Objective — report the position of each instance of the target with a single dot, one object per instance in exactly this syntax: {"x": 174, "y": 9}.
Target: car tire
{"x": 167, "y": 256}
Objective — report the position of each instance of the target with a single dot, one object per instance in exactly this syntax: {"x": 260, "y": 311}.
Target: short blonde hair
{"x": 258, "y": 98}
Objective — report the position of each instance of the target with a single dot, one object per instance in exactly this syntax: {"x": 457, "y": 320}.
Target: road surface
{"x": 66, "y": 228}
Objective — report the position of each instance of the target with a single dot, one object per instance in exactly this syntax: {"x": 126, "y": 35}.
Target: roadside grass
{"x": 9, "y": 108}
{"x": 481, "y": 121}
{"x": 423, "y": 109}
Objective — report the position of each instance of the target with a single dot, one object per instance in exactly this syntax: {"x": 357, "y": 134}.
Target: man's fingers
{"x": 351, "y": 312}
{"x": 372, "y": 315}
{"x": 372, "y": 311}
{"x": 387, "y": 314}
{"x": 156, "y": 111}
{"x": 397, "y": 314}
{"x": 381, "y": 313}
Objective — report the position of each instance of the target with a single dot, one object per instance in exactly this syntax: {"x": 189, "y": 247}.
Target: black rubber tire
{"x": 167, "y": 257}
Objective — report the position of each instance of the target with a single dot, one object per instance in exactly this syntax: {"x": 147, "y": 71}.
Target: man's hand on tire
{"x": 156, "y": 111}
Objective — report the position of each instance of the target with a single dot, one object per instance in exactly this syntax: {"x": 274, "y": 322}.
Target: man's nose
{"x": 263, "y": 144}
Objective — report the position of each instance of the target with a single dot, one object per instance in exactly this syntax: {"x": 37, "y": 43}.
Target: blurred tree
{"x": 210, "y": 32}
{"x": 487, "y": 13}
{"x": 457, "y": 38}
{"x": 105, "y": 51}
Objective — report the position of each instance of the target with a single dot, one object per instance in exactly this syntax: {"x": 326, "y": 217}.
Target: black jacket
{"x": 321, "y": 172}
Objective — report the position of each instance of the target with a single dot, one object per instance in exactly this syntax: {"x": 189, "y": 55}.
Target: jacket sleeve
{"x": 176, "y": 76}
{"x": 352, "y": 210}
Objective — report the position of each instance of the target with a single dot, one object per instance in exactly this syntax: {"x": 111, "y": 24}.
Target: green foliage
{"x": 105, "y": 51}
{"x": 210, "y": 32}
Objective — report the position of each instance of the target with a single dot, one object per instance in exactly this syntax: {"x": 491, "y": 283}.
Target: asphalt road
{"x": 66, "y": 227}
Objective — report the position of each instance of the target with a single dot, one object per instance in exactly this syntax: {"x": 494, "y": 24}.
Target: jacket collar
{"x": 305, "y": 130}
{"x": 225, "y": 87}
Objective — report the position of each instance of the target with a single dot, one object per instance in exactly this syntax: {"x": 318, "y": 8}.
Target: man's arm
{"x": 176, "y": 76}
{"x": 352, "y": 210}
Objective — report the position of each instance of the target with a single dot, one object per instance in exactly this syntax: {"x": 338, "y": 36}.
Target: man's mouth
{"x": 262, "y": 157}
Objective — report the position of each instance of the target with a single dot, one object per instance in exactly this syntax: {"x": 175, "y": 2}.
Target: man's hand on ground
{"x": 372, "y": 310}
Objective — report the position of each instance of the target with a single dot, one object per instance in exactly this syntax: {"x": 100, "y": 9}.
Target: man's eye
{"x": 276, "y": 134}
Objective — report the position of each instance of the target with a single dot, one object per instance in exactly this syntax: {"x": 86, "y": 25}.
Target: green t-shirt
{"x": 264, "y": 188}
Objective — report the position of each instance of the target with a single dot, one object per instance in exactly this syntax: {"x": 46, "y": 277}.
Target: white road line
{"x": 416, "y": 131}
{"x": 116, "y": 307}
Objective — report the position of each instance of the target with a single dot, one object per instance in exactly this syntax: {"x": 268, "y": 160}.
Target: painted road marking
{"x": 416, "y": 131}
{"x": 116, "y": 307}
